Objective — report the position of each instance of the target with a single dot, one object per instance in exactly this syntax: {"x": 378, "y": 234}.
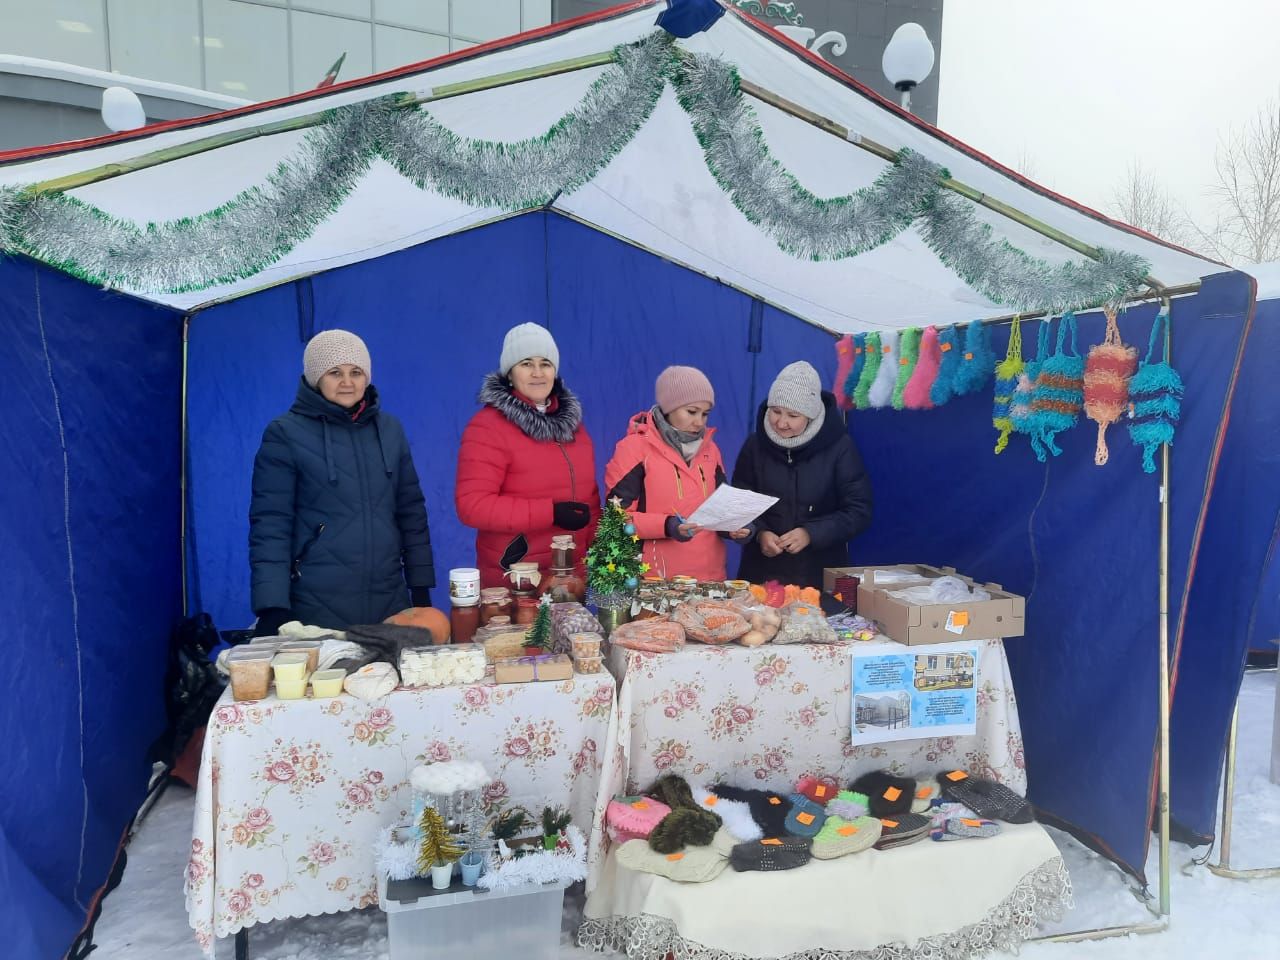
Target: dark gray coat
{"x": 337, "y": 524}
{"x": 821, "y": 486}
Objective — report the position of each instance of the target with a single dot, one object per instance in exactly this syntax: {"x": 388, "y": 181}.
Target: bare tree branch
{"x": 1143, "y": 202}
{"x": 1247, "y": 163}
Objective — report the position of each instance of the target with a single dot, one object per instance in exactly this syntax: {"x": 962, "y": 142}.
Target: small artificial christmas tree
{"x": 537, "y": 639}
{"x": 554, "y": 822}
{"x": 614, "y": 560}
{"x": 438, "y": 846}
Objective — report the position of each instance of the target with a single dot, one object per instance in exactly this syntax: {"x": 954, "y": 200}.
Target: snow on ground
{"x": 145, "y": 917}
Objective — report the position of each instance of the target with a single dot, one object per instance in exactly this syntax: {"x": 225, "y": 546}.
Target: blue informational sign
{"x": 907, "y": 693}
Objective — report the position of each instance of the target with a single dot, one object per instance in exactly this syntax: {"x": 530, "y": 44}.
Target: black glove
{"x": 271, "y": 620}
{"x": 571, "y": 515}
{"x": 672, "y": 529}
{"x": 420, "y": 596}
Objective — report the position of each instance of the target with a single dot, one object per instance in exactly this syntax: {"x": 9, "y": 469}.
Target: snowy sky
{"x": 1070, "y": 92}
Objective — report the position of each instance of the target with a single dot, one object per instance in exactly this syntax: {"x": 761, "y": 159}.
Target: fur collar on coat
{"x": 556, "y": 425}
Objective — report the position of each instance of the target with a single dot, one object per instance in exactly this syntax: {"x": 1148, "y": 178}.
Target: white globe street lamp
{"x": 122, "y": 110}
{"x": 908, "y": 59}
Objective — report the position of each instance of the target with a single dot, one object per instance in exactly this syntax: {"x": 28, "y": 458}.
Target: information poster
{"x": 925, "y": 691}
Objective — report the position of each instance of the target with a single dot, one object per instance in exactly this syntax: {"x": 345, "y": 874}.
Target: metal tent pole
{"x": 1223, "y": 867}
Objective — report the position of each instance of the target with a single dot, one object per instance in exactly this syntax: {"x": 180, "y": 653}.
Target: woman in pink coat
{"x": 664, "y": 468}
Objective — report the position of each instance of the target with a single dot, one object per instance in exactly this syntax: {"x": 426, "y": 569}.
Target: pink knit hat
{"x": 677, "y": 386}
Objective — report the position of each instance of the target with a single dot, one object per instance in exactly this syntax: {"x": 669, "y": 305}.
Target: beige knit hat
{"x": 328, "y": 349}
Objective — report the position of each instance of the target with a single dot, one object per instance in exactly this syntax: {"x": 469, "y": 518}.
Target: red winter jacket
{"x": 653, "y": 482}
{"x": 514, "y": 464}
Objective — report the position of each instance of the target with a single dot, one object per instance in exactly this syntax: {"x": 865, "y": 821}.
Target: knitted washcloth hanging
{"x": 908, "y": 354}
{"x": 976, "y": 361}
{"x": 1059, "y": 391}
{"x": 1155, "y": 398}
{"x": 917, "y": 394}
{"x": 944, "y": 386}
{"x": 1107, "y": 371}
{"x": 1020, "y": 405}
{"x": 844, "y": 363}
{"x": 850, "y": 385}
{"x": 1007, "y": 371}
{"x": 870, "y": 370}
{"x": 882, "y": 387}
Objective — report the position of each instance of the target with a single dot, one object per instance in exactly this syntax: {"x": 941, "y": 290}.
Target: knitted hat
{"x": 848, "y": 805}
{"x": 734, "y": 814}
{"x": 839, "y": 837}
{"x": 799, "y": 388}
{"x": 806, "y": 817}
{"x": 633, "y": 818}
{"x": 769, "y": 810}
{"x": 525, "y": 341}
{"x": 678, "y": 386}
{"x": 328, "y": 349}
{"x": 683, "y": 828}
{"x": 694, "y": 865}
{"x": 886, "y": 794}
{"x": 771, "y": 853}
{"x": 821, "y": 790}
{"x": 986, "y": 798}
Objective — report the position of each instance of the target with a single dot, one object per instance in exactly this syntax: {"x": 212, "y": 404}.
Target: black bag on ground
{"x": 192, "y": 685}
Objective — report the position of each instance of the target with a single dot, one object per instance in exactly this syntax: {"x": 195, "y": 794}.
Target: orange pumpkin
{"x": 427, "y": 617}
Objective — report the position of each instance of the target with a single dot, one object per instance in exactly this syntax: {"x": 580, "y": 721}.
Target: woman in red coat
{"x": 526, "y": 467}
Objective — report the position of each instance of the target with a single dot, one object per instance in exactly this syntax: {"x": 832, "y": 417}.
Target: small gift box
{"x": 548, "y": 666}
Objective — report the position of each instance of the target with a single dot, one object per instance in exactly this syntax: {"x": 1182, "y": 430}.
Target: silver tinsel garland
{"x": 262, "y": 224}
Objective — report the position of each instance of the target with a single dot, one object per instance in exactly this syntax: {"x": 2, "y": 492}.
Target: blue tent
{"x": 647, "y": 253}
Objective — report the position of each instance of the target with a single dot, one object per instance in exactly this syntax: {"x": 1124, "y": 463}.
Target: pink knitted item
{"x": 633, "y": 818}
{"x": 916, "y": 394}
{"x": 844, "y": 364}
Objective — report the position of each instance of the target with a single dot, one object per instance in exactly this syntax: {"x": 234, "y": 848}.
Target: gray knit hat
{"x": 328, "y": 349}
{"x": 798, "y": 387}
{"x": 525, "y": 341}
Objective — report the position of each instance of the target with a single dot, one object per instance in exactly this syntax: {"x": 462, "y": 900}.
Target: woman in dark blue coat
{"x": 338, "y": 525}
{"x": 802, "y": 454}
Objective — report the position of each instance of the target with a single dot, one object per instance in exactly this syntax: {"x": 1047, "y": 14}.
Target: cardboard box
{"x": 555, "y": 666}
{"x": 1002, "y": 616}
{"x": 831, "y": 574}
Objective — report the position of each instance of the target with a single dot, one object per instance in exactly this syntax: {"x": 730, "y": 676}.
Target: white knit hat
{"x": 328, "y": 349}
{"x": 799, "y": 388}
{"x": 525, "y": 341}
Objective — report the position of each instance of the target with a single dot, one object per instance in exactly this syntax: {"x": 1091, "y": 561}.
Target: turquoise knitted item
{"x": 850, "y": 385}
{"x": 1025, "y": 385}
{"x": 1059, "y": 392}
{"x": 943, "y": 388}
{"x": 1155, "y": 398}
{"x": 976, "y": 361}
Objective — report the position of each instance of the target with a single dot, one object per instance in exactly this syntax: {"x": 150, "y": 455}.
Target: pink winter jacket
{"x": 653, "y": 482}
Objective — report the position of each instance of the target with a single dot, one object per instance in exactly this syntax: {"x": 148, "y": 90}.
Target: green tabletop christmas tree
{"x": 537, "y": 639}
{"x": 614, "y": 564}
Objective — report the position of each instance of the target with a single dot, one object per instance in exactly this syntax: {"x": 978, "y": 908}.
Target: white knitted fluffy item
{"x": 881, "y": 392}
{"x": 448, "y": 777}
{"x": 734, "y": 814}
{"x": 395, "y": 861}
{"x": 545, "y": 866}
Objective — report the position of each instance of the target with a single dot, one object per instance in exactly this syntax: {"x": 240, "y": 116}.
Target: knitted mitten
{"x": 821, "y": 790}
{"x": 849, "y": 805}
{"x": 986, "y": 798}
{"x": 908, "y": 354}
{"x": 870, "y": 371}
{"x": 839, "y": 837}
{"x": 769, "y": 810}
{"x": 684, "y": 827}
{"x": 771, "y": 853}
{"x": 806, "y": 817}
{"x": 886, "y": 794}
{"x": 694, "y": 865}
{"x": 734, "y": 814}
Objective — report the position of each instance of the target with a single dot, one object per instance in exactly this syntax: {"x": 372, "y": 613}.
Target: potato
{"x": 753, "y": 638}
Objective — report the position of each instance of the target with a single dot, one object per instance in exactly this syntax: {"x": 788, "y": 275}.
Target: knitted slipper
{"x": 886, "y": 794}
{"x": 901, "y": 830}
{"x": 771, "y": 853}
{"x": 684, "y": 828}
{"x": 768, "y": 810}
{"x": 926, "y": 793}
{"x": 633, "y": 818}
{"x": 734, "y": 814}
{"x": 695, "y": 865}
{"x": 986, "y": 798}
{"x": 840, "y": 837}
{"x": 848, "y": 805}
{"x": 673, "y": 790}
{"x": 806, "y": 817}
{"x": 944, "y": 810}
{"x": 972, "y": 827}
{"x": 821, "y": 790}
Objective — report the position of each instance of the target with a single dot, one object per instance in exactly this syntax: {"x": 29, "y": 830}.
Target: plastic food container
{"x": 585, "y": 645}
{"x": 250, "y": 672}
{"x": 327, "y": 683}
{"x": 290, "y": 666}
{"x": 310, "y": 647}
{"x": 442, "y": 666}
{"x": 588, "y": 664}
{"x": 291, "y": 689}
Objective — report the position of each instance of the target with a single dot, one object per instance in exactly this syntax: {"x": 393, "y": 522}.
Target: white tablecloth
{"x": 292, "y": 794}
{"x": 767, "y": 716}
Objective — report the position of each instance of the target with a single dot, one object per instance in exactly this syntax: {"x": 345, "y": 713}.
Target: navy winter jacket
{"x": 338, "y": 524}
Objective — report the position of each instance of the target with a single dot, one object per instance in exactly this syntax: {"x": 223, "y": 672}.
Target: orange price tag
{"x": 968, "y": 356}
{"x": 971, "y": 823}
{"x": 889, "y": 823}
{"x": 640, "y": 805}
{"x": 955, "y": 776}
{"x": 711, "y": 800}
{"x": 805, "y": 818}
{"x": 772, "y": 842}
{"x": 847, "y": 831}
{"x": 892, "y": 793}
{"x": 946, "y": 347}
{"x": 885, "y": 349}
{"x": 673, "y": 857}
{"x": 903, "y": 362}
{"x": 775, "y": 800}
{"x": 856, "y": 351}
{"x": 924, "y": 793}
{"x": 819, "y": 791}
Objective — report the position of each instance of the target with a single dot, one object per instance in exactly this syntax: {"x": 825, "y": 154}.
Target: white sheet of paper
{"x": 730, "y": 508}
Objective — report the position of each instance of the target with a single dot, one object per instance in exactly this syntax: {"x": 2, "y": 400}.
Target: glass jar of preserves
{"x": 494, "y": 602}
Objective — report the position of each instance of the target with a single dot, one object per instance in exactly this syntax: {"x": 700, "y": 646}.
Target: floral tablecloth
{"x": 766, "y": 716}
{"x": 292, "y": 794}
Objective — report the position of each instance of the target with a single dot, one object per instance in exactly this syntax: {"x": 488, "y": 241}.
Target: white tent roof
{"x": 657, "y": 192}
